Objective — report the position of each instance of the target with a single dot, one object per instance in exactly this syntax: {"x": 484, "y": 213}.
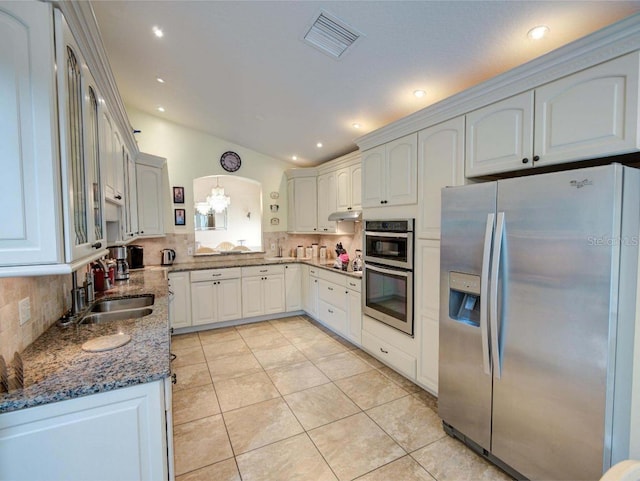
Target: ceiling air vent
{"x": 331, "y": 35}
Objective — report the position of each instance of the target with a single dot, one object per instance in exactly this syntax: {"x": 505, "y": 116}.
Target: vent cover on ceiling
{"x": 330, "y": 35}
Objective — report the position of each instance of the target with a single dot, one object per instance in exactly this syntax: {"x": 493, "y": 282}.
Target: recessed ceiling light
{"x": 356, "y": 125}
{"x": 160, "y": 109}
{"x": 158, "y": 32}
{"x": 419, "y": 93}
{"x": 160, "y": 80}
{"x": 319, "y": 145}
{"x": 294, "y": 157}
{"x": 536, "y": 33}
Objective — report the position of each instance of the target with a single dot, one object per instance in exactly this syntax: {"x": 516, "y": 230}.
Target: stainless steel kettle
{"x": 168, "y": 256}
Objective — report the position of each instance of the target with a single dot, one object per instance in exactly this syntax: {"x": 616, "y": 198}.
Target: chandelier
{"x": 216, "y": 201}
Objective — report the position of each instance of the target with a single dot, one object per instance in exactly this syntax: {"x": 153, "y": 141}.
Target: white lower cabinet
{"x": 216, "y": 296}
{"x": 427, "y": 303}
{"x": 120, "y": 434}
{"x": 311, "y": 305}
{"x": 340, "y": 304}
{"x": 389, "y": 354}
{"x": 293, "y": 287}
{"x": 263, "y": 290}
{"x": 179, "y": 299}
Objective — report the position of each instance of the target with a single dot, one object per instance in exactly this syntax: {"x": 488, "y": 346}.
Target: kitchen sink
{"x": 121, "y": 315}
{"x": 119, "y": 304}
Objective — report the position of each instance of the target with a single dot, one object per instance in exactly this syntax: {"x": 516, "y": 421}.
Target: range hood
{"x": 351, "y": 215}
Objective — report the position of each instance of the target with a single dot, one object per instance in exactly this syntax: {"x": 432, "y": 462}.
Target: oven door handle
{"x": 396, "y": 235}
{"x": 392, "y": 272}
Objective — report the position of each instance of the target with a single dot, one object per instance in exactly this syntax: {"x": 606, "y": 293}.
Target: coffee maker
{"x": 119, "y": 253}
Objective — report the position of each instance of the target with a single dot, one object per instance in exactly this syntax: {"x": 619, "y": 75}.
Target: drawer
{"x": 215, "y": 274}
{"x": 333, "y": 317}
{"x": 390, "y": 355}
{"x": 313, "y": 271}
{"x": 262, "y": 270}
{"x": 354, "y": 284}
{"x": 334, "y": 277}
{"x": 333, "y": 294}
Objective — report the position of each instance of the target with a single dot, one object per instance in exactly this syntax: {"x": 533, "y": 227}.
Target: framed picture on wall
{"x": 178, "y": 195}
{"x": 179, "y": 216}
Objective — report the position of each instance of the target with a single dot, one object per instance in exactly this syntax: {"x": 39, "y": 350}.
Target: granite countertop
{"x": 56, "y": 368}
{"x": 224, "y": 261}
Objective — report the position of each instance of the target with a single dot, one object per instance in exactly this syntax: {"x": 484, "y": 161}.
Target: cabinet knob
{"x": 119, "y": 197}
{"x": 536, "y": 158}
{"x": 174, "y": 378}
{"x": 525, "y": 161}
{"x": 97, "y": 245}
{"x": 383, "y": 351}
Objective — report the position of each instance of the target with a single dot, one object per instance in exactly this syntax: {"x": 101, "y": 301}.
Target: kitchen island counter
{"x": 56, "y": 368}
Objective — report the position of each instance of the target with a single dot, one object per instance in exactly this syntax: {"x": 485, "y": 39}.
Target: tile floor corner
{"x": 287, "y": 399}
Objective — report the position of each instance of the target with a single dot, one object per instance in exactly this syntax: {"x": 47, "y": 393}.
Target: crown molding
{"x": 84, "y": 26}
{"x": 610, "y": 42}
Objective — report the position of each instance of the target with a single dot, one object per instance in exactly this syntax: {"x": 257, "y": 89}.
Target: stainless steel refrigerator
{"x": 537, "y": 312}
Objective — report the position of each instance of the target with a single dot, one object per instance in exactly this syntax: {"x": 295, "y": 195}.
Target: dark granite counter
{"x": 225, "y": 261}
{"x": 56, "y": 368}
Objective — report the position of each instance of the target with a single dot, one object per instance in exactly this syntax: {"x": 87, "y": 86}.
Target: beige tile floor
{"x": 288, "y": 400}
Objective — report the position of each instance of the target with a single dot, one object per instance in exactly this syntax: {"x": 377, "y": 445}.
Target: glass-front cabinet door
{"x": 79, "y": 108}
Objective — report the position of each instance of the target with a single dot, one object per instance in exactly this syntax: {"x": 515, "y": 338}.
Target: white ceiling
{"x": 239, "y": 70}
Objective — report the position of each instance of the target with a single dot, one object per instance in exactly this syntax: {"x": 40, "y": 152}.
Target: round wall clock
{"x": 230, "y": 161}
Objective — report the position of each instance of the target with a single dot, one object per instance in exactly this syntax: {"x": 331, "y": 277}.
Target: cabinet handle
{"x": 536, "y": 158}
{"x": 525, "y": 161}
{"x": 97, "y": 245}
{"x": 383, "y": 351}
{"x": 119, "y": 197}
{"x": 352, "y": 284}
{"x": 171, "y": 330}
{"x": 330, "y": 288}
{"x": 330, "y": 311}
{"x": 348, "y": 208}
{"x": 264, "y": 270}
{"x": 174, "y": 378}
{"x": 216, "y": 275}
{"x": 171, "y": 293}
{"x": 141, "y": 232}
{"x": 346, "y": 292}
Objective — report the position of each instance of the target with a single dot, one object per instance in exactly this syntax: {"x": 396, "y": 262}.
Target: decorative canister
{"x": 323, "y": 253}
{"x": 309, "y": 252}
{"x": 300, "y": 252}
{"x": 314, "y": 251}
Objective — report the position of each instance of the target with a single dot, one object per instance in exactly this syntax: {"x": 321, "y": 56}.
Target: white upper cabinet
{"x": 592, "y": 113}
{"x": 327, "y": 202}
{"x": 589, "y": 114}
{"x": 349, "y": 185}
{"x": 500, "y": 136}
{"x": 390, "y": 173}
{"x": 30, "y": 224}
{"x": 302, "y": 204}
{"x": 79, "y": 114}
{"x": 149, "y": 179}
{"x": 440, "y": 164}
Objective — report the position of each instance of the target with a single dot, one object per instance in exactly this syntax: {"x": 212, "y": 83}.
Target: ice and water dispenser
{"x": 464, "y": 298}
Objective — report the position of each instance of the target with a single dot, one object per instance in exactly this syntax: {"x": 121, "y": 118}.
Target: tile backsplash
{"x": 49, "y": 300}
{"x": 288, "y": 242}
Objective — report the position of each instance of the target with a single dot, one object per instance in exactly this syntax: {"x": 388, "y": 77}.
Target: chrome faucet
{"x": 78, "y": 295}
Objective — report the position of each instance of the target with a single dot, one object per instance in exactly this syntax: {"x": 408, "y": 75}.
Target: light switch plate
{"x": 24, "y": 306}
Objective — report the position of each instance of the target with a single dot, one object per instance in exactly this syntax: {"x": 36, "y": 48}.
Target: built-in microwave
{"x": 388, "y": 273}
{"x": 389, "y": 242}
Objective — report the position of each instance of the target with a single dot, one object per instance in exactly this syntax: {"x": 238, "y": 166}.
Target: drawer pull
{"x": 216, "y": 275}
{"x": 330, "y": 288}
{"x": 264, "y": 270}
{"x": 174, "y": 378}
{"x": 330, "y": 311}
{"x": 383, "y": 351}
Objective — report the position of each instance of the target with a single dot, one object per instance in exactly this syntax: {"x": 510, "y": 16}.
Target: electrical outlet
{"x": 190, "y": 250}
{"x": 24, "y": 306}
{"x": 273, "y": 247}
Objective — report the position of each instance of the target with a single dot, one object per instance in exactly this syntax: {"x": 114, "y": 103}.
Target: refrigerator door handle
{"x": 484, "y": 293}
{"x": 493, "y": 307}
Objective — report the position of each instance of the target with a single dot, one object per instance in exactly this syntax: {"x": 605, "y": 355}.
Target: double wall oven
{"x": 388, "y": 272}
